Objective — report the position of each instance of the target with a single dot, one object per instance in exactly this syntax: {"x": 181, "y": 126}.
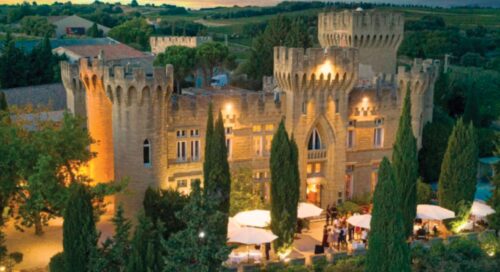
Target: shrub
{"x": 348, "y": 206}
{"x": 353, "y": 264}
{"x": 57, "y": 263}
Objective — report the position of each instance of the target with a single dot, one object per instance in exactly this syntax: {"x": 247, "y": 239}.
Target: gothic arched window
{"x": 314, "y": 141}
{"x": 146, "y": 150}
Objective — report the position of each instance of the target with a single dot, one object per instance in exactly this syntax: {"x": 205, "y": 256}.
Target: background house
{"x": 73, "y": 25}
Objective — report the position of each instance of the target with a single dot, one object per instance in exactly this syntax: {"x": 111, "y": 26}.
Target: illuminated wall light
{"x": 325, "y": 69}
{"x": 229, "y": 107}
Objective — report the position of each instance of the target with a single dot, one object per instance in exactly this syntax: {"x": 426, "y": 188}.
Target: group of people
{"x": 336, "y": 231}
{"x": 421, "y": 231}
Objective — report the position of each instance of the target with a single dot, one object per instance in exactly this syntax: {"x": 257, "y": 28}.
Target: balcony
{"x": 316, "y": 155}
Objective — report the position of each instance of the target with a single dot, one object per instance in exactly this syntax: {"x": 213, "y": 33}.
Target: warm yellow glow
{"x": 325, "y": 69}
{"x": 229, "y": 107}
{"x": 284, "y": 252}
{"x": 365, "y": 99}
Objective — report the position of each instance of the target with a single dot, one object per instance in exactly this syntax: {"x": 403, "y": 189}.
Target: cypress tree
{"x": 457, "y": 181}
{"x": 3, "y": 102}
{"x": 146, "y": 246}
{"x": 207, "y": 163}
{"x": 79, "y": 232}
{"x": 388, "y": 251}
{"x": 285, "y": 184}
{"x": 405, "y": 165}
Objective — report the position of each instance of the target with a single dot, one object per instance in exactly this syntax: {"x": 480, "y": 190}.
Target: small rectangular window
{"x": 257, "y": 145}
{"x": 182, "y": 183}
{"x": 229, "y": 130}
{"x": 181, "y": 133}
{"x": 269, "y": 127}
{"x": 317, "y": 168}
{"x": 195, "y": 133}
{"x": 309, "y": 168}
{"x": 256, "y": 128}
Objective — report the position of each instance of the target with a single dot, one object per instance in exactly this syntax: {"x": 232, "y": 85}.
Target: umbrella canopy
{"x": 308, "y": 210}
{"x": 232, "y": 226}
{"x": 253, "y": 218}
{"x": 480, "y": 209}
{"x": 360, "y": 220}
{"x": 433, "y": 212}
{"x": 251, "y": 236}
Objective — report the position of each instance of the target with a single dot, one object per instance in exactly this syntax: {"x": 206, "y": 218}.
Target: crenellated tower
{"x": 377, "y": 35}
{"x": 125, "y": 109}
{"x": 317, "y": 83}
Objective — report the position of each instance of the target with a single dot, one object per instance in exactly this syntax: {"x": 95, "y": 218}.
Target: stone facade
{"x": 159, "y": 44}
{"x": 343, "y": 123}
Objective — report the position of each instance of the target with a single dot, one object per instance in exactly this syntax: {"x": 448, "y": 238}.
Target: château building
{"x": 342, "y": 102}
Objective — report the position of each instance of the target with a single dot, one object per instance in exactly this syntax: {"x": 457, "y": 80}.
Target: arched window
{"x": 314, "y": 141}
{"x": 146, "y": 150}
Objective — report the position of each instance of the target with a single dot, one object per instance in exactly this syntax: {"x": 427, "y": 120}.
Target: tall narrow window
{"x": 257, "y": 145}
{"x": 195, "y": 150}
{"x": 181, "y": 151}
{"x": 229, "y": 148}
{"x": 146, "y": 152}
{"x": 378, "y": 137}
{"x": 314, "y": 141}
{"x": 350, "y": 138}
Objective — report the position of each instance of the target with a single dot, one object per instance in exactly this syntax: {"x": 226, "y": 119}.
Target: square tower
{"x": 377, "y": 35}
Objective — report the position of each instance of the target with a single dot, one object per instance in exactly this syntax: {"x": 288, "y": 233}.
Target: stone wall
{"x": 160, "y": 43}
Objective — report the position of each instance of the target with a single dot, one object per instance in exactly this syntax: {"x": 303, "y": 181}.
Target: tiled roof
{"x": 28, "y": 46}
{"x": 53, "y": 19}
{"x": 52, "y": 96}
{"x": 111, "y": 51}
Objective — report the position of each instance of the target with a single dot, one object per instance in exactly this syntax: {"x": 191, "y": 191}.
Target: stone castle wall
{"x": 320, "y": 92}
{"x": 159, "y": 44}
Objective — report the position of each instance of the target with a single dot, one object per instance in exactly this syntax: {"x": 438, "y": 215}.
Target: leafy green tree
{"x": 388, "y": 249}
{"x": 146, "y": 246}
{"x": 94, "y": 31}
{"x": 200, "y": 246}
{"x": 41, "y": 61}
{"x": 135, "y": 32}
{"x": 37, "y": 26}
{"x": 285, "y": 187}
{"x": 3, "y": 102}
{"x": 298, "y": 35}
{"x": 79, "y": 231}
{"x": 472, "y": 59}
{"x": 457, "y": 181}
{"x": 161, "y": 206}
{"x": 424, "y": 192}
{"x": 134, "y": 3}
{"x": 243, "y": 194}
{"x": 113, "y": 255}
{"x": 183, "y": 60}
{"x": 211, "y": 56}
{"x": 405, "y": 165}
{"x": 434, "y": 140}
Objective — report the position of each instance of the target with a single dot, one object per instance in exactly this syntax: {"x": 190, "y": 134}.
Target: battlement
{"x": 160, "y": 43}
{"x": 323, "y": 68}
{"x": 355, "y": 28}
{"x": 422, "y": 75}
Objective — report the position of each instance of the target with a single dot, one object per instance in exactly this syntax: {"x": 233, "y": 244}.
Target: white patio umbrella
{"x": 253, "y": 218}
{"x": 480, "y": 209}
{"x": 306, "y": 210}
{"x": 232, "y": 226}
{"x": 360, "y": 220}
{"x": 251, "y": 236}
{"x": 433, "y": 212}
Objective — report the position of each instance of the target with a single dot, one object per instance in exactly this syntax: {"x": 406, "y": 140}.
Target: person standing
{"x": 324, "y": 242}
{"x": 268, "y": 249}
{"x": 331, "y": 237}
{"x": 364, "y": 236}
{"x": 334, "y": 212}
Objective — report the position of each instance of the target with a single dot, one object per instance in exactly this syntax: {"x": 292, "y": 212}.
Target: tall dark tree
{"x": 208, "y": 162}
{"x": 147, "y": 249}
{"x": 183, "y": 60}
{"x": 3, "y": 102}
{"x": 285, "y": 186}
{"x": 13, "y": 65}
{"x": 211, "y": 56}
{"x": 471, "y": 111}
{"x": 494, "y": 201}
{"x": 200, "y": 246}
{"x": 388, "y": 251}
{"x": 41, "y": 62}
{"x": 457, "y": 181}
{"x": 113, "y": 255}
{"x": 79, "y": 231}
{"x": 94, "y": 31}
{"x": 405, "y": 165}
{"x": 299, "y": 35}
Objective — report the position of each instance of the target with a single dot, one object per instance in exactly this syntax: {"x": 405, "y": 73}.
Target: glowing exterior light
{"x": 201, "y": 234}
{"x": 2, "y": 268}
{"x": 229, "y": 107}
{"x": 365, "y": 100}
{"x": 325, "y": 69}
